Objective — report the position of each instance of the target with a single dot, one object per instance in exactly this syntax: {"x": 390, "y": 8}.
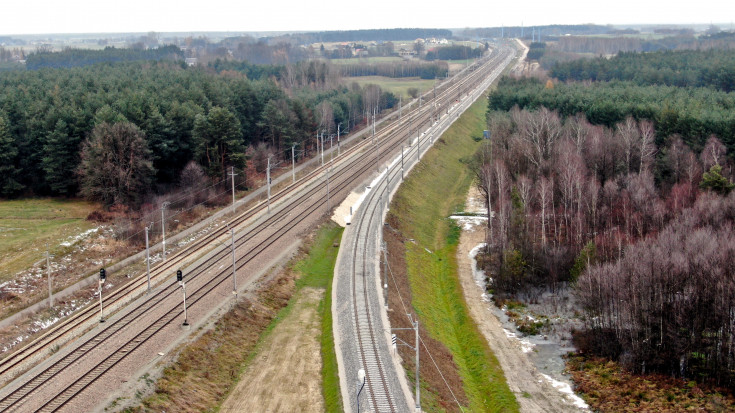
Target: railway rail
{"x": 257, "y": 230}
{"x": 370, "y": 341}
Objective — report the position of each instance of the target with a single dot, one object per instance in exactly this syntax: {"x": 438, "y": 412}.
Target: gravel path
{"x": 285, "y": 374}
{"x": 534, "y": 392}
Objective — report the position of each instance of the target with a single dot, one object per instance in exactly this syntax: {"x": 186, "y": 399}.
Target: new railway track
{"x": 252, "y": 223}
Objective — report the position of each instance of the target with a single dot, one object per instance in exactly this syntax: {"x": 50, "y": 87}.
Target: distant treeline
{"x": 693, "y": 113}
{"x": 379, "y": 35}
{"x": 80, "y": 57}
{"x": 613, "y": 45}
{"x": 424, "y": 70}
{"x": 549, "y": 30}
{"x": 454, "y": 53}
{"x": 699, "y": 68}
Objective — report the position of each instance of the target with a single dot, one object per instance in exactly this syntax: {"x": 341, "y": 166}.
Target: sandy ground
{"x": 533, "y": 392}
{"x": 342, "y": 214}
{"x": 285, "y": 374}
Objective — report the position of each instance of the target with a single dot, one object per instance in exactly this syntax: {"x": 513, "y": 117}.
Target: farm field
{"x": 397, "y": 86}
{"x": 27, "y": 225}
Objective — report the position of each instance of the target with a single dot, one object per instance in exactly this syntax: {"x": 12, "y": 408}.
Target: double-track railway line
{"x": 65, "y": 375}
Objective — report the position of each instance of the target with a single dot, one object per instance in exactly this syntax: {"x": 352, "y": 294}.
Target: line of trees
{"x": 693, "y": 113}
{"x": 602, "y": 207}
{"x": 49, "y": 117}
{"x": 698, "y": 68}
{"x": 456, "y": 52}
{"x": 364, "y": 35}
{"x": 71, "y": 57}
{"x": 424, "y": 70}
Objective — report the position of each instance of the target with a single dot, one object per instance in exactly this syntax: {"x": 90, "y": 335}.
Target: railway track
{"x": 252, "y": 224}
{"x": 365, "y": 299}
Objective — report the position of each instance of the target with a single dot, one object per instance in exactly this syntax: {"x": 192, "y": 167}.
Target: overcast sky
{"x": 95, "y": 16}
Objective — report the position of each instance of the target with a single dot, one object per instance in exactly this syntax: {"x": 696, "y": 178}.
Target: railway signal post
{"x": 103, "y": 276}
{"x": 180, "y": 279}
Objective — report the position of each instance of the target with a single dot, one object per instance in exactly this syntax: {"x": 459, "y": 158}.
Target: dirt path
{"x": 285, "y": 374}
{"x": 533, "y": 392}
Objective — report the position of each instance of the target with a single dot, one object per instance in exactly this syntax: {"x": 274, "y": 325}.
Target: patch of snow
{"x": 526, "y": 346}
{"x": 478, "y": 274}
{"x": 41, "y": 325}
{"x": 74, "y": 239}
{"x": 566, "y": 389}
{"x": 468, "y": 222}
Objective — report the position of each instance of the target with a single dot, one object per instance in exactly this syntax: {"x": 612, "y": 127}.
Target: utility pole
{"x": 163, "y": 228}
{"x": 293, "y": 164}
{"x": 328, "y": 167}
{"x": 268, "y": 181}
{"x": 233, "y": 174}
{"x": 48, "y": 274}
{"x": 401, "y": 162}
{"x": 385, "y": 274}
{"x": 377, "y": 156}
{"x": 373, "y": 124}
{"x": 339, "y": 149}
{"x": 387, "y": 186}
{"x": 321, "y": 142}
{"x": 147, "y": 260}
{"x": 415, "y": 328}
{"x": 418, "y": 145}
{"x": 418, "y": 382}
{"x": 234, "y": 277}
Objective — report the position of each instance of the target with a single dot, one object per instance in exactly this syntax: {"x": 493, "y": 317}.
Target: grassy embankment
{"x": 436, "y": 188}
{"x": 26, "y": 225}
{"x": 209, "y": 368}
{"x": 317, "y": 271}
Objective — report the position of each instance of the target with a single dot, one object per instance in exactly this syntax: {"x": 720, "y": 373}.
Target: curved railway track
{"x": 365, "y": 298}
{"x": 342, "y": 180}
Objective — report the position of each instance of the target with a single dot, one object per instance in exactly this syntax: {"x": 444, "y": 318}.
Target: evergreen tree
{"x": 116, "y": 165}
{"x": 60, "y": 159}
{"x": 714, "y": 181}
{"x": 219, "y": 142}
{"x": 9, "y": 186}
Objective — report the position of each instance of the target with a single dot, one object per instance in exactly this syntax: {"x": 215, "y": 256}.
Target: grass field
{"x": 397, "y": 86}
{"x": 27, "y": 225}
{"x": 434, "y": 190}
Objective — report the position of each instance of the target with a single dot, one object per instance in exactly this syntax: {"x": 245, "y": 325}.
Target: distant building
{"x": 191, "y": 61}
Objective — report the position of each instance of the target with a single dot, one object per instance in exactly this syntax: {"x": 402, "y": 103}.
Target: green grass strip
{"x": 434, "y": 190}
{"x": 318, "y": 270}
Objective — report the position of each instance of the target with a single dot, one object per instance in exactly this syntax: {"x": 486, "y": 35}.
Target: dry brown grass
{"x": 208, "y": 368}
{"x": 606, "y": 387}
